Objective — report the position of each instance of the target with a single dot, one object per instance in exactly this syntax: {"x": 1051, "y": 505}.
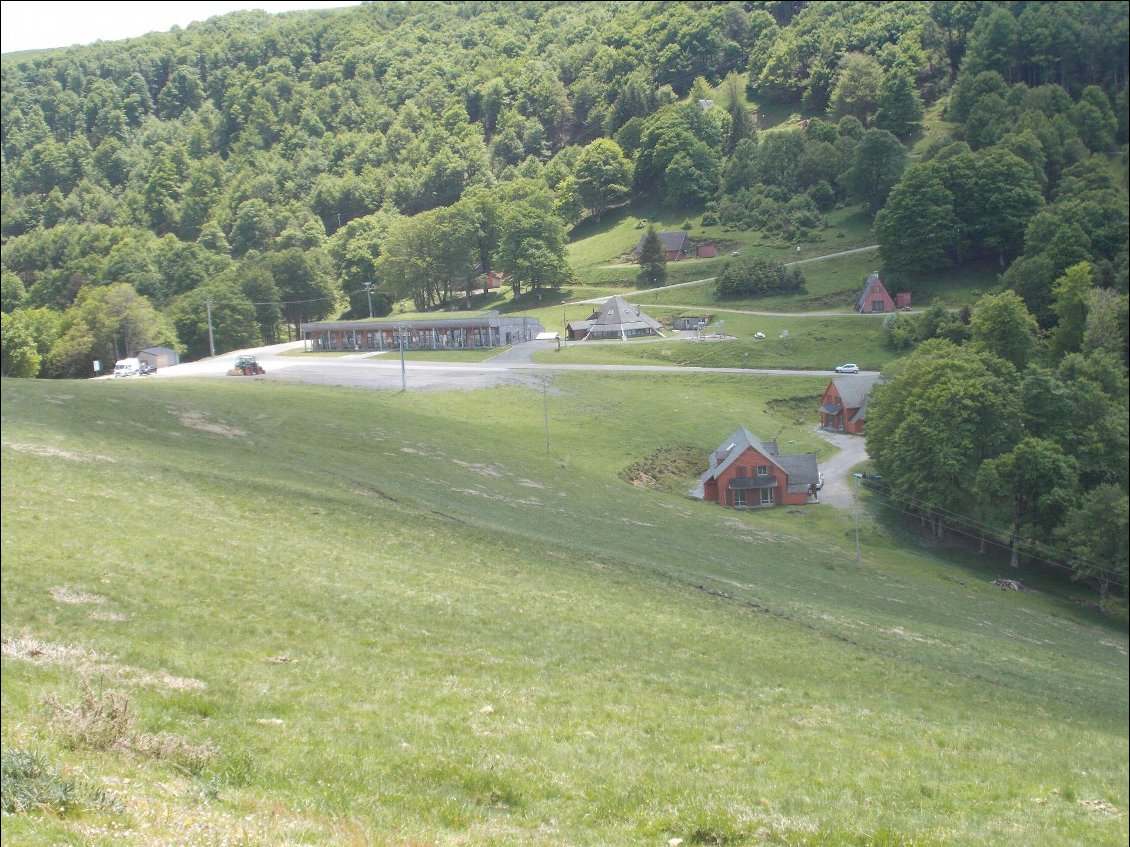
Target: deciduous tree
{"x": 603, "y": 175}
{"x": 1028, "y": 488}
{"x": 1093, "y": 539}
{"x": 916, "y": 228}
{"x": 941, "y": 412}
{"x": 1003, "y": 326}
{"x": 879, "y": 162}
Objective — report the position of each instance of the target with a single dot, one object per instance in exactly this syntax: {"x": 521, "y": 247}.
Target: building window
{"x": 739, "y": 500}
{"x": 763, "y": 470}
{"x": 878, "y": 306}
{"x": 766, "y": 496}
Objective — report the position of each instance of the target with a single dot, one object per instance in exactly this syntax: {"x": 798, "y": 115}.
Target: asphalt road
{"x": 365, "y": 370}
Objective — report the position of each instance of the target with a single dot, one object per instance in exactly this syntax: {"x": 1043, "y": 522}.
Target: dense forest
{"x": 282, "y": 164}
{"x": 305, "y": 165}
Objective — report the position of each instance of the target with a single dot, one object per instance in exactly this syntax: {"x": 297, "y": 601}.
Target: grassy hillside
{"x": 346, "y": 617}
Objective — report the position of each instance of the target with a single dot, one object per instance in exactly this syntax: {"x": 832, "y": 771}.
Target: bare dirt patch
{"x": 57, "y": 453}
{"x": 197, "y": 420}
{"x": 101, "y": 615}
{"x": 801, "y": 411}
{"x": 90, "y": 663}
{"x": 28, "y": 649}
{"x": 671, "y": 469}
{"x": 62, "y": 594}
{"x": 483, "y": 470}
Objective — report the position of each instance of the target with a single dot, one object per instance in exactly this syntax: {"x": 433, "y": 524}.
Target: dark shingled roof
{"x": 670, "y": 240}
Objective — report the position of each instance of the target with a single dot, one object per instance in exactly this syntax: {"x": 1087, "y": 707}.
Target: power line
{"x": 1032, "y": 549}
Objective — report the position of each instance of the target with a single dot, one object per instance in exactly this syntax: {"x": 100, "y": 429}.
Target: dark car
{"x": 144, "y": 369}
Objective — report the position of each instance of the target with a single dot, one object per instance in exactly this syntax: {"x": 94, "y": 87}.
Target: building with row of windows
{"x": 439, "y": 332}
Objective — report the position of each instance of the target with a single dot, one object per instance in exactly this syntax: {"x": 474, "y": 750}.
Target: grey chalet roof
{"x": 618, "y": 317}
{"x": 799, "y": 468}
{"x": 855, "y": 389}
{"x": 671, "y": 240}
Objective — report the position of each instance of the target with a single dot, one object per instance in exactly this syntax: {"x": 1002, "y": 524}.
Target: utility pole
{"x": 403, "y": 378}
{"x": 369, "y": 294}
{"x": 211, "y": 342}
{"x": 545, "y": 408}
{"x": 564, "y": 324}
{"x": 855, "y": 511}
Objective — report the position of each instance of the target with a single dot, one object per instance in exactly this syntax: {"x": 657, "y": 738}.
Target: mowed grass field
{"x": 374, "y": 618}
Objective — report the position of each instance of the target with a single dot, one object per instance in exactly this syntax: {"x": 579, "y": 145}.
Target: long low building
{"x": 442, "y": 332}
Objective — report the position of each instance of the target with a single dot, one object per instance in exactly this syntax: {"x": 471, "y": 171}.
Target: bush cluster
{"x": 758, "y": 278}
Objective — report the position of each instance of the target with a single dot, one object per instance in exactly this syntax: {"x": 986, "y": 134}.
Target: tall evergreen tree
{"x": 900, "y": 108}
{"x": 653, "y": 261}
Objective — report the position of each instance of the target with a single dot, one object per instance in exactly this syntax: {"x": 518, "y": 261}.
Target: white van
{"x": 127, "y": 367}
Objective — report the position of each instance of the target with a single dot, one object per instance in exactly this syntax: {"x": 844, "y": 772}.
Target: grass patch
{"x": 597, "y": 250}
{"x": 469, "y": 355}
{"x": 797, "y": 342}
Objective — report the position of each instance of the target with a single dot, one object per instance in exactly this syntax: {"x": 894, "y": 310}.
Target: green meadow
{"x": 257, "y": 613}
{"x": 816, "y": 343}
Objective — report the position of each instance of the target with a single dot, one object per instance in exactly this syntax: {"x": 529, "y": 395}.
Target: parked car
{"x": 819, "y": 480}
{"x": 145, "y": 369}
{"x": 849, "y": 368}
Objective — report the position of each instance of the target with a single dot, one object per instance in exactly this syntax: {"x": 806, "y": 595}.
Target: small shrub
{"x": 687, "y": 225}
{"x": 194, "y": 758}
{"x": 28, "y": 783}
{"x": 104, "y": 722}
{"x": 710, "y": 219}
{"x": 98, "y": 721}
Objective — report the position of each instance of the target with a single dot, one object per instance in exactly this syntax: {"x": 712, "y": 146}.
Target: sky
{"x": 38, "y": 24}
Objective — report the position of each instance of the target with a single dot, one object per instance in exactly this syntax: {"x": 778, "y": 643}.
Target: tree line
{"x": 997, "y": 430}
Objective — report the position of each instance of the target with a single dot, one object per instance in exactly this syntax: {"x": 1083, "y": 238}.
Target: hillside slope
{"x": 405, "y": 620}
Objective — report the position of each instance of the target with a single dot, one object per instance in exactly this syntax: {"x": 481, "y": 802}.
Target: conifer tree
{"x": 653, "y": 261}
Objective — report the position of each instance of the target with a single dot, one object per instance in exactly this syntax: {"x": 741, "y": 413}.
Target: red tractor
{"x": 246, "y": 366}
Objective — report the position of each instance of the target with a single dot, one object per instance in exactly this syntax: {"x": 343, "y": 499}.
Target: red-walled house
{"x": 748, "y": 473}
{"x": 843, "y": 407}
{"x": 874, "y": 297}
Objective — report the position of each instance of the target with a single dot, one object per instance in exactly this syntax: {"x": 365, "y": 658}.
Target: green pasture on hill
{"x": 790, "y": 342}
{"x": 383, "y": 618}
{"x": 598, "y": 250}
